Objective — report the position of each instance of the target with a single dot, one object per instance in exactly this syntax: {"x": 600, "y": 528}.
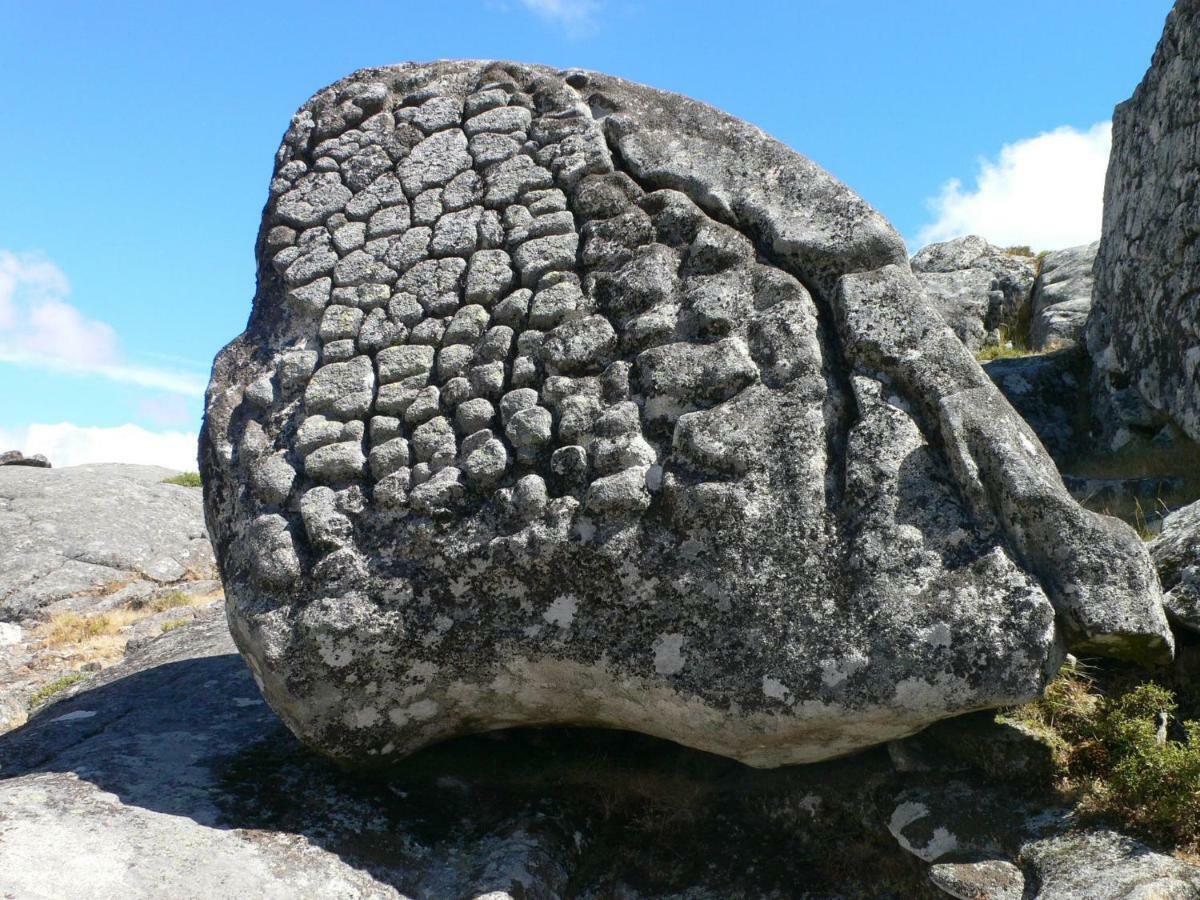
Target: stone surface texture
{"x": 96, "y": 529}
{"x": 1050, "y": 391}
{"x": 982, "y": 292}
{"x": 1062, "y": 297}
{"x": 1144, "y": 328}
{"x": 1176, "y": 553}
{"x": 976, "y": 837}
{"x": 567, "y": 400}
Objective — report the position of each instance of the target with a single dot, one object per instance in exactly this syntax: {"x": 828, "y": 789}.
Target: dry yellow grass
{"x": 101, "y": 636}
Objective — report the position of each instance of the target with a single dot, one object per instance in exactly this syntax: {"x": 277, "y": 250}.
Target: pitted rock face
{"x": 557, "y": 406}
{"x": 1143, "y": 329}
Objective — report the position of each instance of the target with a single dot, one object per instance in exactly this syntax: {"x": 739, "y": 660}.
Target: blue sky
{"x": 138, "y": 138}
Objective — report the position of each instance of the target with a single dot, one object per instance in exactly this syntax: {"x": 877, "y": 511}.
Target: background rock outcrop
{"x": 1062, "y": 297}
{"x": 567, "y": 400}
{"x": 91, "y": 558}
{"x": 97, "y": 529}
{"x": 1144, "y": 328}
{"x": 980, "y": 290}
{"x": 1176, "y": 552}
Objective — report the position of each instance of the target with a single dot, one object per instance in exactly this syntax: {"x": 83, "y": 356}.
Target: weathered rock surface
{"x": 1062, "y": 297}
{"x": 1144, "y": 328}
{"x": 167, "y": 776}
{"x": 1050, "y": 391}
{"x": 107, "y": 545}
{"x": 985, "y": 840}
{"x": 98, "y": 529}
{"x": 1176, "y": 553}
{"x": 979, "y": 289}
{"x": 17, "y": 458}
{"x": 95, "y": 529}
{"x": 567, "y": 400}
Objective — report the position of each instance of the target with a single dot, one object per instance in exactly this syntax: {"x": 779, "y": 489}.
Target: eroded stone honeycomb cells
{"x": 488, "y": 297}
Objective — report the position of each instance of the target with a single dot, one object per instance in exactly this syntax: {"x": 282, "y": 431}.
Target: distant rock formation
{"x": 567, "y": 400}
{"x": 1062, "y": 297}
{"x": 17, "y": 458}
{"x": 98, "y": 529}
{"x": 1144, "y": 328}
{"x": 980, "y": 290}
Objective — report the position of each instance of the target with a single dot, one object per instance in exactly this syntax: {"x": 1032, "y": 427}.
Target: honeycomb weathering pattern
{"x": 566, "y": 400}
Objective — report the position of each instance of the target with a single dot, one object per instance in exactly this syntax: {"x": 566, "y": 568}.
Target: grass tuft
{"x": 173, "y": 600}
{"x": 58, "y": 685}
{"x": 186, "y": 479}
{"x": 1009, "y": 347}
{"x": 173, "y": 624}
{"x": 103, "y": 635}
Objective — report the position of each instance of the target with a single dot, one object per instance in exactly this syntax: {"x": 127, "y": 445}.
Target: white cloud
{"x": 66, "y": 444}
{"x": 1046, "y": 191}
{"x": 574, "y": 15}
{"x": 40, "y": 329}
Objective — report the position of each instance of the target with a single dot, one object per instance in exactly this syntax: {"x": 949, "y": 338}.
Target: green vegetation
{"x": 173, "y": 600}
{"x": 58, "y": 685}
{"x": 186, "y": 479}
{"x": 173, "y": 624}
{"x": 1010, "y": 347}
{"x": 1020, "y": 250}
{"x": 1111, "y": 760}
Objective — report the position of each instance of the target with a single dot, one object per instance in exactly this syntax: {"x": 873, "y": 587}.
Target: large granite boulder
{"x": 95, "y": 530}
{"x": 1062, "y": 297}
{"x": 567, "y": 400}
{"x": 981, "y": 291}
{"x": 1144, "y": 327}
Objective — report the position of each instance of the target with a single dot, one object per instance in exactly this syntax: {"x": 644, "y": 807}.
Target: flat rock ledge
{"x": 565, "y": 400}
{"x": 74, "y": 534}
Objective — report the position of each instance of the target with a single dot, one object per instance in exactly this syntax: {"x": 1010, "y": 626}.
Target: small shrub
{"x": 1111, "y": 761}
{"x": 1020, "y": 250}
{"x": 185, "y": 479}
{"x": 58, "y": 685}
{"x": 173, "y": 624}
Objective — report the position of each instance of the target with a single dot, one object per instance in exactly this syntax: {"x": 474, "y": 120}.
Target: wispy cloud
{"x": 1046, "y": 191}
{"x": 576, "y": 16}
{"x": 39, "y": 328}
{"x": 166, "y": 409}
{"x": 67, "y": 444}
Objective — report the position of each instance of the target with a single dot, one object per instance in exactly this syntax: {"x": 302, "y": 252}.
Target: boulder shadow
{"x": 567, "y": 806}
